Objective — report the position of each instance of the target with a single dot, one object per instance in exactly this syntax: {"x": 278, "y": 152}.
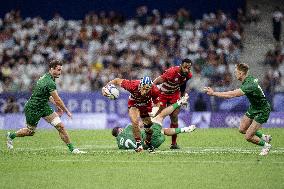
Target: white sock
{"x": 184, "y": 129}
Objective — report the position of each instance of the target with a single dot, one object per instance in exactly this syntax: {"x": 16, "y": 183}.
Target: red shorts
{"x": 144, "y": 108}
{"x": 166, "y": 99}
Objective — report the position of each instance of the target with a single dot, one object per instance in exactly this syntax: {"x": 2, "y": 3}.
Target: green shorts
{"x": 260, "y": 116}
{"x": 33, "y": 114}
{"x": 158, "y": 137}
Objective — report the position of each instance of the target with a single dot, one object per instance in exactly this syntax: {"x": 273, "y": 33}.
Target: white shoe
{"x": 77, "y": 151}
{"x": 265, "y": 150}
{"x": 183, "y": 100}
{"x": 267, "y": 138}
{"x": 9, "y": 141}
{"x": 189, "y": 128}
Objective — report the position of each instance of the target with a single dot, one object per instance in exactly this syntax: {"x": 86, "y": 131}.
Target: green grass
{"x": 209, "y": 158}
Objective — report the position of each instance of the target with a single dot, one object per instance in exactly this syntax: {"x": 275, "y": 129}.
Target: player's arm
{"x": 59, "y": 102}
{"x": 116, "y": 82}
{"x": 227, "y": 94}
{"x": 59, "y": 110}
{"x": 159, "y": 80}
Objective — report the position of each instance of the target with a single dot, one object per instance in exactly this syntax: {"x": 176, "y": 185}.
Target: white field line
{"x": 184, "y": 150}
{"x": 166, "y": 161}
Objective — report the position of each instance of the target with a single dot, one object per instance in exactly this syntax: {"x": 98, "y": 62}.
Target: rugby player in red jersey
{"x": 172, "y": 86}
{"x": 143, "y": 93}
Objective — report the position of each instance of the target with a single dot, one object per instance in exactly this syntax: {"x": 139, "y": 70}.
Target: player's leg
{"x": 134, "y": 115}
{"x": 244, "y": 124}
{"x": 174, "y": 124}
{"x": 147, "y": 123}
{"x": 251, "y": 137}
{"x": 32, "y": 119}
{"x": 53, "y": 118}
{"x": 174, "y": 131}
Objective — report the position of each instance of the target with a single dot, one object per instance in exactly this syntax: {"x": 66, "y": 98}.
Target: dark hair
{"x": 243, "y": 67}
{"x": 115, "y": 131}
{"x": 186, "y": 60}
{"x": 54, "y": 63}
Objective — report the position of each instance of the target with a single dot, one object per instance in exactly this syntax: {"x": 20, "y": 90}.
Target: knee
{"x": 248, "y": 137}
{"x": 243, "y": 131}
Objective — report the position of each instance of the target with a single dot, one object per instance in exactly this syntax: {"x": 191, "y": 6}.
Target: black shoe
{"x": 139, "y": 147}
{"x": 174, "y": 147}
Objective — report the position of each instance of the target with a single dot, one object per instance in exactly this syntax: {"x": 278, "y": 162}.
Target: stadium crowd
{"x": 103, "y": 46}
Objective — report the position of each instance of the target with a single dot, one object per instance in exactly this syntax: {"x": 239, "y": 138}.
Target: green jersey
{"x": 254, "y": 93}
{"x": 125, "y": 139}
{"x": 41, "y": 91}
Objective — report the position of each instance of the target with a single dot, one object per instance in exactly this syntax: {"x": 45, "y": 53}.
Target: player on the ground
{"x": 258, "y": 112}
{"x": 173, "y": 84}
{"x": 125, "y": 139}
{"x": 142, "y": 94}
{"x": 37, "y": 107}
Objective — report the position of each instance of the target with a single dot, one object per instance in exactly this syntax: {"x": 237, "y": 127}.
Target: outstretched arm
{"x": 227, "y": 94}
{"x": 116, "y": 81}
{"x": 158, "y": 80}
{"x": 59, "y": 103}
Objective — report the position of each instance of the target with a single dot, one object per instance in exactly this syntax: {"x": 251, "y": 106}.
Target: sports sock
{"x": 70, "y": 146}
{"x": 175, "y": 105}
{"x": 174, "y": 137}
{"x": 12, "y": 135}
{"x": 258, "y": 134}
{"x": 261, "y": 143}
{"x": 178, "y": 130}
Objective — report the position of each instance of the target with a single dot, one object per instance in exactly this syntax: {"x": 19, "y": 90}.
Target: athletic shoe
{"x": 77, "y": 151}
{"x": 189, "y": 128}
{"x": 265, "y": 150}
{"x": 150, "y": 147}
{"x": 174, "y": 147}
{"x": 267, "y": 138}
{"x": 9, "y": 141}
{"x": 139, "y": 147}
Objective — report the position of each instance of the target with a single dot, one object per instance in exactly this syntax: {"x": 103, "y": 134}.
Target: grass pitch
{"x": 209, "y": 158}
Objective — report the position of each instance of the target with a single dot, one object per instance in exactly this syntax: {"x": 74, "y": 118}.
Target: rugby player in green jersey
{"x": 258, "y": 112}
{"x": 37, "y": 107}
{"x": 125, "y": 139}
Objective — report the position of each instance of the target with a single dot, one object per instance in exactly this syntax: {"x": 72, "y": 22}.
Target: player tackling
{"x": 125, "y": 139}
{"x": 37, "y": 107}
{"x": 258, "y": 112}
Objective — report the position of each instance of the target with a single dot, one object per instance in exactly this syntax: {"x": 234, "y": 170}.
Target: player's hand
{"x": 59, "y": 111}
{"x": 69, "y": 114}
{"x": 105, "y": 92}
{"x": 208, "y": 90}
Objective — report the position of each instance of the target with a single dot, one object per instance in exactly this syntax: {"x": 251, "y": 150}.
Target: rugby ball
{"x": 113, "y": 92}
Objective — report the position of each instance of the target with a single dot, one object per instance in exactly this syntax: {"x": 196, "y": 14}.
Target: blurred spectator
{"x": 11, "y": 106}
{"x": 104, "y": 45}
{"x": 254, "y": 14}
{"x": 200, "y": 104}
{"x": 277, "y": 24}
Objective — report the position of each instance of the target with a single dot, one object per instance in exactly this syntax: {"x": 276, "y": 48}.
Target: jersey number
{"x": 127, "y": 143}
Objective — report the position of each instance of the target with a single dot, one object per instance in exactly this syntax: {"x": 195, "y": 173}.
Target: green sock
{"x": 175, "y": 105}
{"x": 178, "y": 130}
{"x": 70, "y": 146}
{"x": 12, "y": 135}
{"x": 261, "y": 142}
{"x": 259, "y": 134}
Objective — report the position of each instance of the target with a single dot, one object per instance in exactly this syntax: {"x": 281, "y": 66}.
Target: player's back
{"x": 126, "y": 140}
{"x": 254, "y": 93}
{"x": 41, "y": 91}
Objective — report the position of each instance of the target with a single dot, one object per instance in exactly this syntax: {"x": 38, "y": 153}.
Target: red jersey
{"x": 132, "y": 87}
{"x": 173, "y": 79}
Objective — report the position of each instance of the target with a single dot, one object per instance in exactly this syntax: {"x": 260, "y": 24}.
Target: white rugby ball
{"x": 113, "y": 92}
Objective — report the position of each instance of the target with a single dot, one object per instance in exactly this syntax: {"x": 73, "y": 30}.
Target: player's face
{"x": 144, "y": 89}
{"x": 238, "y": 74}
{"x": 56, "y": 72}
{"x": 185, "y": 68}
